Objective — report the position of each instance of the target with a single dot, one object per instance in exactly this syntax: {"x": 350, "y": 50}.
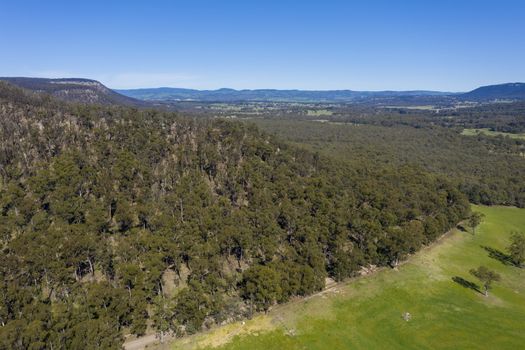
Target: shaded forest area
{"x": 114, "y": 219}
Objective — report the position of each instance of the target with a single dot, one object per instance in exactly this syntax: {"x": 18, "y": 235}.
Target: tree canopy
{"x": 486, "y": 276}
{"x": 516, "y": 248}
{"x": 112, "y": 218}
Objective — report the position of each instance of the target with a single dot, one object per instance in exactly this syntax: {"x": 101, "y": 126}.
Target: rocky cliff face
{"x": 75, "y": 90}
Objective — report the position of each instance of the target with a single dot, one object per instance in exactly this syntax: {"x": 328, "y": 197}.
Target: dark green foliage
{"x": 192, "y": 306}
{"x": 486, "y": 277}
{"x": 100, "y": 205}
{"x": 474, "y": 220}
{"x": 516, "y": 248}
{"x": 261, "y": 286}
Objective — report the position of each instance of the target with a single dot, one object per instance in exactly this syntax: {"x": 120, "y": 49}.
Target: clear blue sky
{"x": 362, "y": 45}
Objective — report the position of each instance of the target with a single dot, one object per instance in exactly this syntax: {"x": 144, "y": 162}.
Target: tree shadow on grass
{"x": 461, "y": 228}
{"x": 500, "y": 256}
{"x": 467, "y": 284}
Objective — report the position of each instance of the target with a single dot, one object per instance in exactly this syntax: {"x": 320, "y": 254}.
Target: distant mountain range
{"x": 230, "y": 95}
{"x": 92, "y": 91}
{"x": 509, "y": 91}
{"x": 75, "y": 90}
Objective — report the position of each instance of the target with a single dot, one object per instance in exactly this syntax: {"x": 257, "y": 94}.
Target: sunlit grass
{"x": 488, "y": 132}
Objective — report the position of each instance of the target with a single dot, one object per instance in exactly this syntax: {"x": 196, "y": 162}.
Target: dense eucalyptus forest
{"x": 489, "y": 170}
{"x": 117, "y": 220}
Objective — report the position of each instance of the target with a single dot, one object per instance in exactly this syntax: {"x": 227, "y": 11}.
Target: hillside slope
{"x": 113, "y": 219}
{"x": 508, "y": 91}
{"x": 75, "y": 90}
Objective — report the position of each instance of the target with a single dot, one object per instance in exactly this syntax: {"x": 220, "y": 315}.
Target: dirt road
{"x": 141, "y": 343}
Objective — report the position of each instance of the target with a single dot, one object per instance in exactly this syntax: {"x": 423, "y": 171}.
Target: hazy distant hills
{"x": 230, "y": 95}
{"x": 92, "y": 91}
{"x": 509, "y": 91}
{"x": 75, "y": 90}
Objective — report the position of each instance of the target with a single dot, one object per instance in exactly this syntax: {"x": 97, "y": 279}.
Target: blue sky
{"x": 361, "y": 45}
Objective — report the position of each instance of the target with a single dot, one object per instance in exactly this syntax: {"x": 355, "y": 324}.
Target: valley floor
{"x": 367, "y": 312}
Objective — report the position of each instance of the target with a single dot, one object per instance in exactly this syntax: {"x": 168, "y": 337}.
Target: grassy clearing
{"x": 366, "y": 313}
{"x": 318, "y": 112}
{"x": 421, "y": 108}
{"x": 488, "y": 132}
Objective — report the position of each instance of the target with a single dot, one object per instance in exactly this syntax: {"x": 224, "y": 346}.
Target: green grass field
{"x": 318, "y": 112}
{"x": 488, "y": 132}
{"x": 366, "y": 313}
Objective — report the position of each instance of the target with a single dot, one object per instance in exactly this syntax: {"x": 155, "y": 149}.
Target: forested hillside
{"x": 75, "y": 90}
{"x": 113, "y": 220}
{"x": 512, "y": 91}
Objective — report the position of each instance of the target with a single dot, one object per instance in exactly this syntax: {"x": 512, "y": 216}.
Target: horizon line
{"x": 264, "y": 88}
